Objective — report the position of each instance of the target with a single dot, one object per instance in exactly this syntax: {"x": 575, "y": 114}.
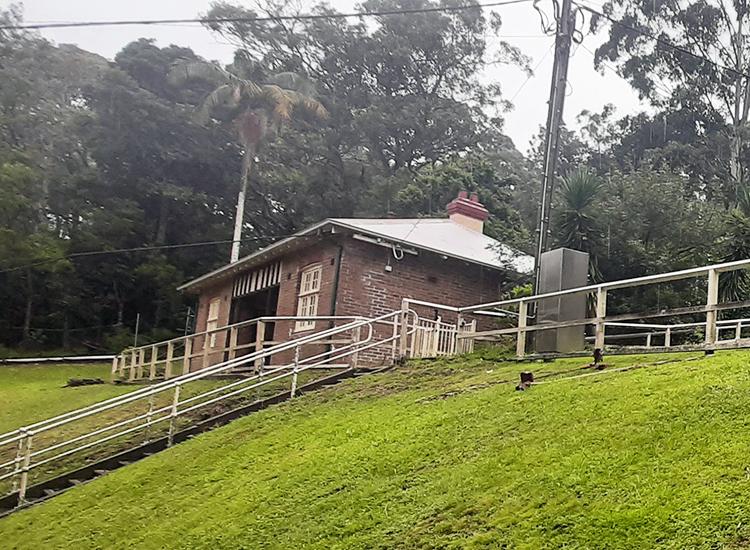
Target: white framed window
{"x": 309, "y": 293}
{"x": 212, "y": 321}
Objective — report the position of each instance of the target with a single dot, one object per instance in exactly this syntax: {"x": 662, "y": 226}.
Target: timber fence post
{"x": 521, "y": 334}
{"x": 601, "y": 313}
{"x": 294, "y": 371}
{"x": 404, "y": 317}
{"x": 712, "y": 299}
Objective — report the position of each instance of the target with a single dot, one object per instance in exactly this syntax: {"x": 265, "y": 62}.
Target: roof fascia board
{"x": 258, "y": 253}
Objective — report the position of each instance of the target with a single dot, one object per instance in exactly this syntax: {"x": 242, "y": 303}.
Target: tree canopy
{"x": 109, "y": 156}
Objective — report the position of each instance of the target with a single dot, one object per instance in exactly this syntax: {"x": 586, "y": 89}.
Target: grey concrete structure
{"x": 562, "y": 269}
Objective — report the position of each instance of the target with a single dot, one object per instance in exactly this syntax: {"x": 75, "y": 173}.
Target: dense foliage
{"x": 99, "y": 155}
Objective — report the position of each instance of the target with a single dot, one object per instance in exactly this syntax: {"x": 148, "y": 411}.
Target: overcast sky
{"x": 587, "y": 88}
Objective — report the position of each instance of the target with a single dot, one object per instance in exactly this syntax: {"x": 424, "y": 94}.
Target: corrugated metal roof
{"x": 438, "y": 235}
{"x": 444, "y": 236}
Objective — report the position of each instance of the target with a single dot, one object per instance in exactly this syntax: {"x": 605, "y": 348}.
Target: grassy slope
{"x": 35, "y": 392}
{"x": 442, "y": 456}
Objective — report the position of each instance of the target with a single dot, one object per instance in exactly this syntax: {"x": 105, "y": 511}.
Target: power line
{"x": 661, "y": 41}
{"x": 143, "y": 249}
{"x": 260, "y": 19}
{"x": 659, "y": 88}
{"x": 533, "y": 71}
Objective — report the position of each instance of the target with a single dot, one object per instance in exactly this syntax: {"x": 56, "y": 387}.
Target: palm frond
{"x": 251, "y": 89}
{"x": 734, "y": 285}
{"x": 279, "y": 100}
{"x": 577, "y": 225}
{"x": 314, "y": 107}
{"x": 223, "y": 95}
{"x": 308, "y": 104}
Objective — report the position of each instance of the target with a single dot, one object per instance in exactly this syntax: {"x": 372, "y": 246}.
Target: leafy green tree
{"x": 403, "y": 94}
{"x": 701, "y": 77}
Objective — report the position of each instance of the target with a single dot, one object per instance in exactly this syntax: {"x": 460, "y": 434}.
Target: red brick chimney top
{"x": 468, "y": 206}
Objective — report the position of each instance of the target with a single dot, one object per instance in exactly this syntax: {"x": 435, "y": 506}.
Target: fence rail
{"x": 43, "y": 446}
{"x": 163, "y": 360}
{"x": 517, "y": 309}
{"x": 157, "y": 409}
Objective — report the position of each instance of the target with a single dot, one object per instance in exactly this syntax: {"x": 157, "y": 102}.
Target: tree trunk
{"x": 120, "y": 304}
{"x": 239, "y": 216}
{"x": 740, "y": 112}
{"x": 735, "y": 167}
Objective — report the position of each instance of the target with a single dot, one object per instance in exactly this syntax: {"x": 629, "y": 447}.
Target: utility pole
{"x": 563, "y": 37}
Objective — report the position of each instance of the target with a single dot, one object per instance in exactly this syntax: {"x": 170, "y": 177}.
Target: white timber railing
{"x": 661, "y": 335}
{"x": 164, "y": 360}
{"x": 162, "y": 408}
{"x": 518, "y": 309}
{"x": 435, "y": 338}
{"x": 43, "y": 450}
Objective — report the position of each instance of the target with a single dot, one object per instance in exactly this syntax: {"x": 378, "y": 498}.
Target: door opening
{"x": 252, "y": 306}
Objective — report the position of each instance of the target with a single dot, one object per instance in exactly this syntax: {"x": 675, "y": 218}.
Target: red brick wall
{"x": 324, "y": 253}
{"x": 366, "y": 288}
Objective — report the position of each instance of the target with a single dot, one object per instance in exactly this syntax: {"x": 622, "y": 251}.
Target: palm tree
{"x": 577, "y": 224}
{"x": 257, "y": 107}
{"x": 734, "y": 285}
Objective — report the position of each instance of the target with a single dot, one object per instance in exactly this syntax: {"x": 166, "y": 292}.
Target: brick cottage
{"x": 350, "y": 266}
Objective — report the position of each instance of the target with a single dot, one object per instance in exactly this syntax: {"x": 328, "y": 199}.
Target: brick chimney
{"x": 468, "y": 211}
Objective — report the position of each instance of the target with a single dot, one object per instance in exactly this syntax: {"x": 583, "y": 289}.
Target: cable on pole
{"x": 259, "y": 19}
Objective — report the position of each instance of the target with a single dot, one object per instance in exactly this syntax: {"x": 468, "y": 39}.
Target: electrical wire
{"x": 260, "y": 19}
{"x": 533, "y": 72}
{"x": 145, "y": 249}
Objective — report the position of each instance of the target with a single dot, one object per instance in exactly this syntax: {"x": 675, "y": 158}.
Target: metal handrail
{"x": 184, "y": 346}
{"x": 247, "y": 322}
{"x": 28, "y": 459}
{"x": 184, "y": 378}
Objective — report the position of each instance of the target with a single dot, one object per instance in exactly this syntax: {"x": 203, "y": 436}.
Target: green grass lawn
{"x": 444, "y": 455}
{"x": 36, "y": 392}
{"x": 31, "y": 393}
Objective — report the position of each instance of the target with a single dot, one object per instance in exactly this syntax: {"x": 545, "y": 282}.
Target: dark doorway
{"x": 252, "y": 306}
